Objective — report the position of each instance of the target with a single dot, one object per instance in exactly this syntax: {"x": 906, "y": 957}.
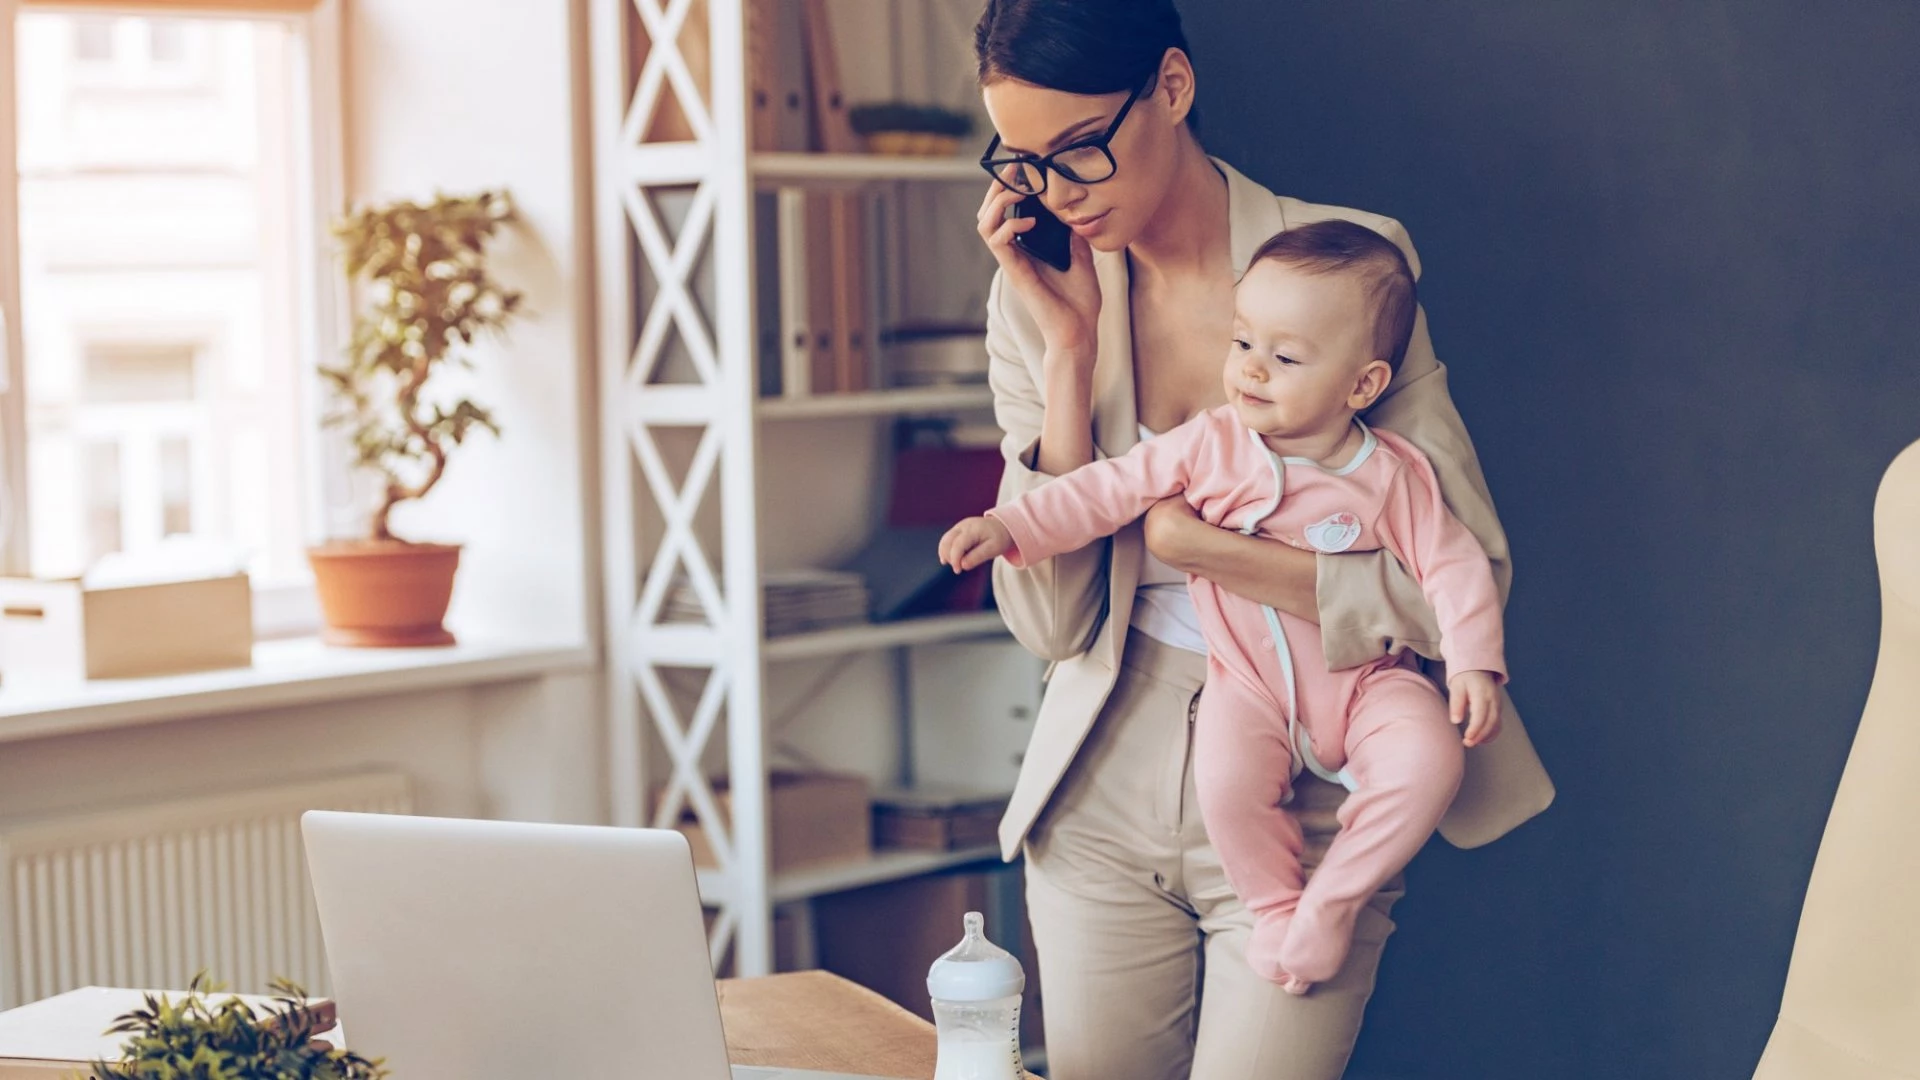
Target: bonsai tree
{"x": 429, "y": 295}
{"x": 871, "y": 119}
{"x": 197, "y": 1040}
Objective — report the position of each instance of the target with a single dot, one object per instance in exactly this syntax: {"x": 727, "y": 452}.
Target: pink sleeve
{"x": 1097, "y": 500}
{"x": 1451, "y": 566}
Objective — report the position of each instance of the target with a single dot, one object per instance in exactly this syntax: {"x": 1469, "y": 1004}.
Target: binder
{"x": 786, "y": 65}
{"x": 823, "y": 363}
{"x": 848, "y": 226}
{"x": 762, "y": 77}
{"x": 796, "y": 314}
{"x": 833, "y": 131}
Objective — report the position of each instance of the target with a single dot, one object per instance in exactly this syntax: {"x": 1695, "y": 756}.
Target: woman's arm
{"x": 1265, "y": 571}
{"x": 1053, "y": 607}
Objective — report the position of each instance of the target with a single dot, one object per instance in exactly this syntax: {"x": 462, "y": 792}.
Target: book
{"x": 792, "y": 601}
{"x": 65, "y": 1034}
{"x": 795, "y": 313}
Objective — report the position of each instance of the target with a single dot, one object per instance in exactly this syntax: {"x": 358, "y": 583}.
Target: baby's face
{"x": 1300, "y": 344}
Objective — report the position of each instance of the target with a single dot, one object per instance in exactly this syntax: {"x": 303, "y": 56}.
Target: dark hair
{"x": 1079, "y": 46}
{"x": 1343, "y": 247}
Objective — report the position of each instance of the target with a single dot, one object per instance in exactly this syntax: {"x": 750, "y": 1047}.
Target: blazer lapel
{"x": 1116, "y": 429}
{"x": 1253, "y": 216}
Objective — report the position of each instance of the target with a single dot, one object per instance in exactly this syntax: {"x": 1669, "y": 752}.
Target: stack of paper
{"x": 793, "y": 601}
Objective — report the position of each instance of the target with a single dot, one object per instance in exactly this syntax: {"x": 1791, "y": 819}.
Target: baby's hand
{"x": 1474, "y": 698}
{"x": 974, "y": 542}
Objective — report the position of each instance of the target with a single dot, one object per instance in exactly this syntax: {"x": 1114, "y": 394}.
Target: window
{"x": 93, "y": 39}
{"x": 167, "y": 313}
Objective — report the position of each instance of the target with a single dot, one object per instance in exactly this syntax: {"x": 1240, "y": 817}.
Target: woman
{"x": 1140, "y": 940}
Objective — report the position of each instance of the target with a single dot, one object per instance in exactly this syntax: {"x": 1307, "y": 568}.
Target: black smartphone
{"x": 1049, "y": 240}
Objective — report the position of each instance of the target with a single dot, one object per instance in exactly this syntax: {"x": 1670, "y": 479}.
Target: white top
{"x": 1162, "y": 608}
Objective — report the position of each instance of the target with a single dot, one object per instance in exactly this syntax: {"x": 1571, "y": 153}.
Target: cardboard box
{"x": 937, "y": 818}
{"x": 63, "y": 631}
{"x": 816, "y": 818}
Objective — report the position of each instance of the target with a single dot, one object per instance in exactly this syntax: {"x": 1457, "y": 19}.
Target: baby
{"x": 1322, "y": 318}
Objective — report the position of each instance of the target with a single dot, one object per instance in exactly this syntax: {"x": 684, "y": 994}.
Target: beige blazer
{"x": 1074, "y": 609}
{"x": 1847, "y": 1013}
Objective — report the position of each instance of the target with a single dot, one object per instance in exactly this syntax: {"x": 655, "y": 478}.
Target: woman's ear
{"x": 1174, "y": 85}
{"x": 1371, "y": 383}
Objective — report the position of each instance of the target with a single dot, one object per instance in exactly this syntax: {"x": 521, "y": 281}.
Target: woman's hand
{"x": 1064, "y": 304}
{"x": 1265, "y": 571}
{"x": 1473, "y": 698}
{"x": 1169, "y": 528}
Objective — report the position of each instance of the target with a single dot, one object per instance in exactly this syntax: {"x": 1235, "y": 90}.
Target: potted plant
{"x": 428, "y": 294}
{"x": 197, "y": 1040}
{"x": 898, "y": 127}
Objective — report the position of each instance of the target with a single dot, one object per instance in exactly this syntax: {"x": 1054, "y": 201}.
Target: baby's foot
{"x": 1317, "y": 941}
{"x": 1270, "y": 932}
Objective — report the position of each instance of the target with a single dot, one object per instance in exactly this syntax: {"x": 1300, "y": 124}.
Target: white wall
{"x": 455, "y": 96}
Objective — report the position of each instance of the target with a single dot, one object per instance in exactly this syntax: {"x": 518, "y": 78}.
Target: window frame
{"x": 322, "y": 318}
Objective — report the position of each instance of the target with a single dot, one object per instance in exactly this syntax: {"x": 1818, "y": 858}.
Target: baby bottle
{"x": 976, "y": 990}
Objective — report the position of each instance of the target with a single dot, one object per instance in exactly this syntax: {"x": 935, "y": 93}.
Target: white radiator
{"x": 146, "y": 896}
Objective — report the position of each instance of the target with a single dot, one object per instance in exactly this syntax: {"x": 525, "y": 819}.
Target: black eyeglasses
{"x": 1088, "y": 161}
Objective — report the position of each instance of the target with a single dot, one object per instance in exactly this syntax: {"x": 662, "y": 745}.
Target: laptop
{"x": 465, "y": 949}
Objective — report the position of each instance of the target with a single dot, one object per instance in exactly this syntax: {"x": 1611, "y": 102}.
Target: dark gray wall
{"x": 1670, "y": 258}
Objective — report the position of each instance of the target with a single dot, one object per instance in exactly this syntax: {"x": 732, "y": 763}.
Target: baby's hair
{"x": 1342, "y": 247}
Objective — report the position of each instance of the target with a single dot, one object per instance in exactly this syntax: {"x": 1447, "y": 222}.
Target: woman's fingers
{"x": 993, "y": 209}
{"x": 1013, "y": 261}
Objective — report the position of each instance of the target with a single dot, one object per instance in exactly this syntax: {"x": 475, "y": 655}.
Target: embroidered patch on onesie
{"x": 1335, "y": 534}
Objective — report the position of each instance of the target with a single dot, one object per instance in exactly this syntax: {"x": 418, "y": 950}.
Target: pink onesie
{"x": 1271, "y": 707}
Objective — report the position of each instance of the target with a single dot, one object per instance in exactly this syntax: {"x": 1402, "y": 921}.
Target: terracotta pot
{"x": 384, "y": 593}
{"x": 912, "y": 144}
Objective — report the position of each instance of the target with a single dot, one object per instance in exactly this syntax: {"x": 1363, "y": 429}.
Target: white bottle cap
{"x": 976, "y": 969}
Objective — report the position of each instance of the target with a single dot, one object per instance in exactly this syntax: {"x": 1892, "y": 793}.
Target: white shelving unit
{"x": 901, "y": 402}
{"x": 884, "y": 866}
{"x": 648, "y": 288}
{"x": 777, "y": 170}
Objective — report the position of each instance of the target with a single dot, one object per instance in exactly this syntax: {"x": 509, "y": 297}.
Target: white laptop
{"x": 463, "y": 950}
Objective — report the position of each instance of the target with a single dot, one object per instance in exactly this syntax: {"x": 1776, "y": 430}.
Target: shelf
{"x": 284, "y": 673}
{"x": 878, "y": 869}
{"x": 774, "y": 170}
{"x": 898, "y": 402}
{"x": 869, "y": 637}
{"x": 695, "y": 645}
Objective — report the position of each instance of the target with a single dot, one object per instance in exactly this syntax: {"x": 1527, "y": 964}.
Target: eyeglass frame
{"x": 1044, "y": 163}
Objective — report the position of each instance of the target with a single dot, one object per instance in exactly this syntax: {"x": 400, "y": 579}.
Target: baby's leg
{"x": 1406, "y": 759}
{"x": 1241, "y": 772}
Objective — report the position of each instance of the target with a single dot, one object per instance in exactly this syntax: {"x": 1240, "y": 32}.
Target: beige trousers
{"x": 1141, "y": 942}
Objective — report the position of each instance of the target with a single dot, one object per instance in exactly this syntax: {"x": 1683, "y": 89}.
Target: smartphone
{"x": 1049, "y": 240}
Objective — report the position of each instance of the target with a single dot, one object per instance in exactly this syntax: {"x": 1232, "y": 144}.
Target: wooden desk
{"x": 817, "y": 1020}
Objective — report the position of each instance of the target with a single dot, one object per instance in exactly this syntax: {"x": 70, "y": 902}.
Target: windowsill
{"x": 284, "y": 673}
